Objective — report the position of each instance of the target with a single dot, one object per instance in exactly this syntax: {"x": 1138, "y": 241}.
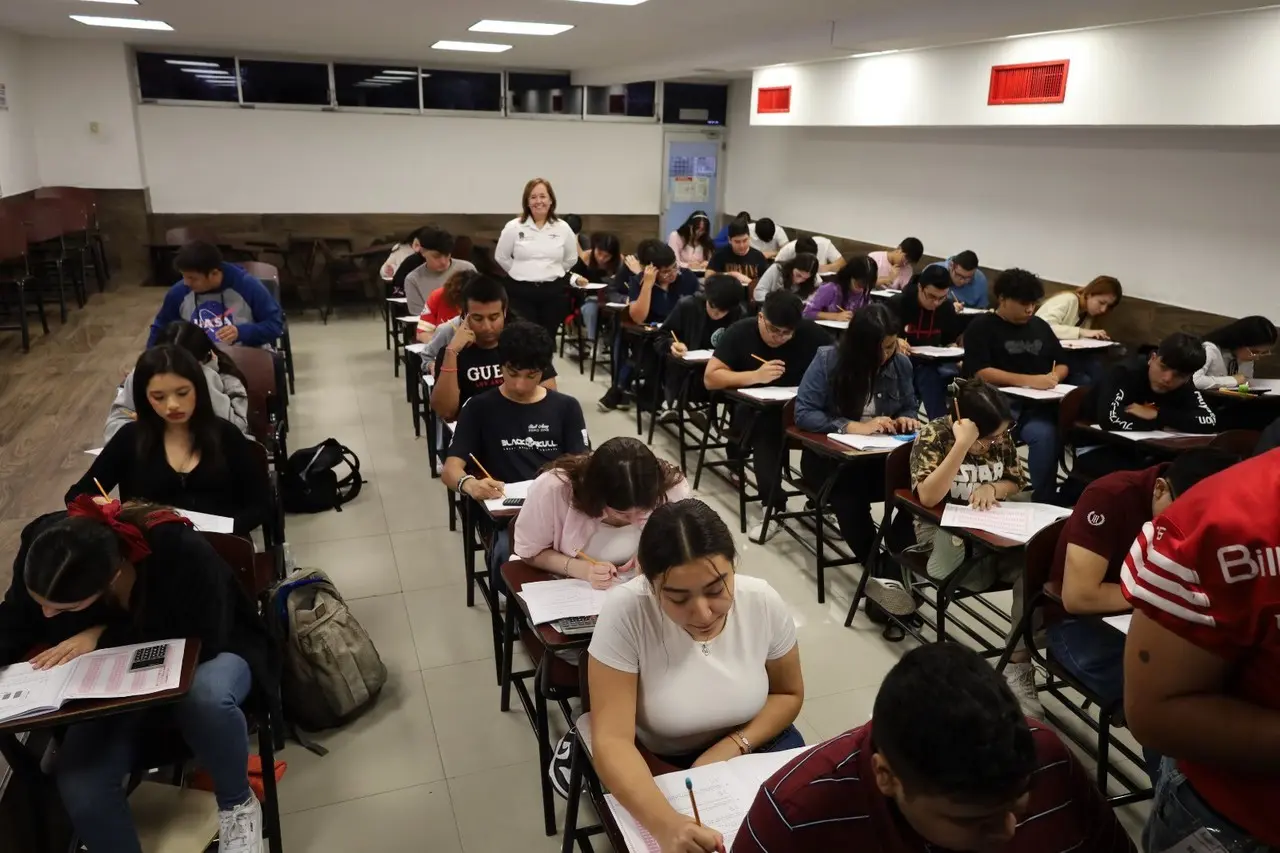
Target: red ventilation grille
{"x": 1035, "y": 83}
{"x": 776, "y": 99}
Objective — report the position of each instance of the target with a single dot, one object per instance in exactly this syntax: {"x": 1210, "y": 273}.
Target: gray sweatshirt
{"x": 230, "y": 402}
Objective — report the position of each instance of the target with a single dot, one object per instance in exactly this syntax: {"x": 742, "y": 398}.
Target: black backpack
{"x": 310, "y": 482}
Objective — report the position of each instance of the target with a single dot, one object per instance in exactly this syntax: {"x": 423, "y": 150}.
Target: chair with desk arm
{"x": 718, "y": 434}
{"x": 684, "y": 430}
{"x": 269, "y": 275}
{"x": 16, "y": 281}
{"x": 93, "y": 237}
{"x": 914, "y": 566}
{"x": 47, "y": 255}
{"x": 1040, "y": 593}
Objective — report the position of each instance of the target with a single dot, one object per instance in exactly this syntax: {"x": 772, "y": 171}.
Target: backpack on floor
{"x": 332, "y": 671}
{"x": 310, "y": 482}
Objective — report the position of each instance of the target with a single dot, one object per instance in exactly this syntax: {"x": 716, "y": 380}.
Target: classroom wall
{"x": 1215, "y": 70}
{"x": 74, "y": 83}
{"x": 1185, "y": 217}
{"x": 19, "y": 169}
{"x": 211, "y": 160}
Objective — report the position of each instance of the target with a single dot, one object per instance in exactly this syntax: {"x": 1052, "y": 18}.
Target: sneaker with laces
{"x": 1022, "y": 681}
{"x": 610, "y": 401}
{"x": 240, "y": 828}
{"x": 558, "y": 771}
{"x": 892, "y": 596}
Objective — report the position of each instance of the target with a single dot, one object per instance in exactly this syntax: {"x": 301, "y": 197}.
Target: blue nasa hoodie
{"x": 251, "y": 309}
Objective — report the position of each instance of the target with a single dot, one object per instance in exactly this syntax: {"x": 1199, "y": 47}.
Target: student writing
{"x": 692, "y": 662}
{"x": 829, "y": 257}
{"x": 896, "y": 266}
{"x": 698, "y": 322}
{"x": 178, "y": 452}
{"x": 224, "y": 300}
{"x": 226, "y": 383}
{"x": 435, "y": 246}
{"x": 105, "y": 575}
{"x": 849, "y": 292}
{"x": 738, "y": 259}
{"x": 927, "y": 317}
{"x": 1231, "y": 350}
{"x": 798, "y": 275}
{"x": 968, "y": 281}
{"x": 691, "y": 242}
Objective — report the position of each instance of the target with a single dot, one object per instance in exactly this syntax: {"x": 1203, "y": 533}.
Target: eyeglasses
{"x": 774, "y": 331}
{"x": 982, "y": 445}
{"x": 1258, "y": 353}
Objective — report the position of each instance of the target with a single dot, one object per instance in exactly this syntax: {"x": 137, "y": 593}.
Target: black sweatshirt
{"x": 237, "y": 488}
{"x": 690, "y": 323}
{"x": 1182, "y": 409}
{"x": 184, "y": 589}
{"x": 920, "y": 326}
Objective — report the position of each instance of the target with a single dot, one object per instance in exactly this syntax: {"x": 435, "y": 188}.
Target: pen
{"x": 688, "y": 783}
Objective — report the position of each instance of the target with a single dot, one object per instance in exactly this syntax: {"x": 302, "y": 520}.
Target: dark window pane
{"x": 376, "y": 86}
{"x": 633, "y": 99}
{"x": 270, "y": 82}
{"x": 545, "y": 94}
{"x": 172, "y": 76}
{"x": 461, "y": 90}
{"x": 694, "y": 103}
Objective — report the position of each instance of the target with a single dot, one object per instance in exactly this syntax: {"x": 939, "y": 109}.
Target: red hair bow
{"x": 133, "y": 542}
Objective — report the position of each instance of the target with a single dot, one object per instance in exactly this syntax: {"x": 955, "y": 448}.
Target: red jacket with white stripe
{"x": 1208, "y": 570}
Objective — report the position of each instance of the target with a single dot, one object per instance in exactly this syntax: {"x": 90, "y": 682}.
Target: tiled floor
{"x": 436, "y": 766}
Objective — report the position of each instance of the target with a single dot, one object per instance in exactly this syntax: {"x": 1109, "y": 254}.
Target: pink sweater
{"x": 901, "y": 278}
{"x": 547, "y": 520}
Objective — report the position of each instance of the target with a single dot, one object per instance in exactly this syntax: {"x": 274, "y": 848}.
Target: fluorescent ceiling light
{"x": 391, "y": 72}
{"x": 122, "y": 23}
{"x": 473, "y": 46}
{"x": 371, "y": 84}
{"x": 519, "y": 28}
{"x": 120, "y": 2}
{"x": 613, "y": 2}
{"x": 385, "y": 79}
{"x": 193, "y": 63}
{"x": 873, "y": 53}
{"x": 201, "y": 71}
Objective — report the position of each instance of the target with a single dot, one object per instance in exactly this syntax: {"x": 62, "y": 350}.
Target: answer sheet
{"x": 1087, "y": 343}
{"x": 1147, "y": 435}
{"x": 834, "y": 324}
{"x": 1014, "y": 520}
{"x": 871, "y": 442}
{"x": 1057, "y": 393}
{"x": 509, "y": 490}
{"x": 774, "y": 393}
{"x": 560, "y": 599}
{"x": 938, "y": 352}
{"x": 207, "y": 523}
{"x": 698, "y": 355}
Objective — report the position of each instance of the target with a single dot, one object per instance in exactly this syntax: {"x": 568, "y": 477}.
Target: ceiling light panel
{"x": 471, "y": 46}
{"x": 612, "y": 2}
{"x": 520, "y": 28}
{"x": 122, "y": 23}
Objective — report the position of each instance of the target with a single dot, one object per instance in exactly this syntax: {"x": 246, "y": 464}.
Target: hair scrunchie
{"x": 133, "y": 542}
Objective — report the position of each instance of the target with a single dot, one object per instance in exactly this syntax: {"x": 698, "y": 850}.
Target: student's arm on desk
{"x": 834, "y": 266}
{"x": 1084, "y": 587}
{"x": 1113, "y": 404}
{"x": 1002, "y": 378}
{"x": 445, "y": 394}
{"x": 1187, "y": 411}
{"x": 719, "y": 377}
{"x": 480, "y": 489}
{"x": 614, "y": 695}
{"x": 1176, "y": 701}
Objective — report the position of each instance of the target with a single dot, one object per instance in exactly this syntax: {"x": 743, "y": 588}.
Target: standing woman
{"x": 537, "y": 250}
{"x": 101, "y": 576}
{"x": 692, "y": 241}
{"x": 692, "y": 661}
{"x": 178, "y": 452}
{"x": 851, "y": 291}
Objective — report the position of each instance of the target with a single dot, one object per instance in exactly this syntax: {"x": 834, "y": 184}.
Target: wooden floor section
{"x": 54, "y": 401}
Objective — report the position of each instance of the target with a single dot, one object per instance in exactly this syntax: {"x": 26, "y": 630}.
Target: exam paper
{"x": 560, "y": 599}
{"x": 871, "y": 442}
{"x": 1087, "y": 343}
{"x": 1057, "y": 393}
{"x": 834, "y": 324}
{"x": 1147, "y": 435}
{"x": 776, "y": 392}
{"x": 1018, "y": 520}
{"x": 509, "y": 490}
{"x": 1120, "y": 623}
{"x": 207, "y": 523}
{"x": 938, "y": 352}
{"x": 416, "y": 349}
{"x": 698, "y": 355}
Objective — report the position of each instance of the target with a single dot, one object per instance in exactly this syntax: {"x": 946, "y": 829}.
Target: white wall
{"x": 75, "y": 83}
{"x": 1186, "y": 217}
{"x": 1212, "y": 70}
{"x": 19, "y": 170}
{"x": 214, "y": 160}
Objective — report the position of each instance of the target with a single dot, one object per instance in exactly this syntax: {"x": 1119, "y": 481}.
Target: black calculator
{"x": 148, "y": 657}
{"x": 513, "y": 502}
{"x": 577, "y": 625}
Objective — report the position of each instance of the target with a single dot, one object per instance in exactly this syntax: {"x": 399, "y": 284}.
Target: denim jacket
{"x": 893, "y": 392}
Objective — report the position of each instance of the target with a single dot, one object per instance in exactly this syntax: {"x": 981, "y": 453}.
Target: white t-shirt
{"x": 827, "y": 252}
{"x": 615, "y": 545}
{"x": 687, "y": 699}
{"x": 779, "y": 239}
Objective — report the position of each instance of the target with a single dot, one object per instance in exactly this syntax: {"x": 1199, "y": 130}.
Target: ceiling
{"x": 660, "y": 39}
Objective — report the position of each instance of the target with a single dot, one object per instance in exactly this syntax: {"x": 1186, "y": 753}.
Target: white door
{"x": 690, "y": 176}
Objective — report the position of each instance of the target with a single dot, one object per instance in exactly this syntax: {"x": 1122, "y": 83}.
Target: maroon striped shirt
{"x": 827, "y": 799}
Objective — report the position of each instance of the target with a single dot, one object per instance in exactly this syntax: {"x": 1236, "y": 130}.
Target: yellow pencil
{"x": 759, "y": 359}
{"x": 487, "y": 475}
{"x": 105, "y": 496}
{"x": 688, "y": 783}
{"x": 673, "y": 336}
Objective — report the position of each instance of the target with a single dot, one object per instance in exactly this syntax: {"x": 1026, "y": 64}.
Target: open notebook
{"x": 725, "y": 791}
{"x": 104, "y": 674}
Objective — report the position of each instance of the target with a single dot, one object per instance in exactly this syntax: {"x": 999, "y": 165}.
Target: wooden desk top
{"x": 820, "y": 443}
{"x": 517, "y": 573}
{"x": 75, "y": 712}
{"x": 933, "y": 515}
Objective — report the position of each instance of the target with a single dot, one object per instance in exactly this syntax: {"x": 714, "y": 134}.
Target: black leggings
{"x": 545, "y": 303}
{"x": 859, "y": 484}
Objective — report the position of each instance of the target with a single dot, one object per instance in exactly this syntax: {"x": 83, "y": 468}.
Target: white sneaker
{"x": 754, "y": 533}
{"x": 1022, "y": 681}
{"x": 240, "y": 829}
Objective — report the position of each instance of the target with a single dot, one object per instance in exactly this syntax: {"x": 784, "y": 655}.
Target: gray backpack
{"x": 332, "y": 672}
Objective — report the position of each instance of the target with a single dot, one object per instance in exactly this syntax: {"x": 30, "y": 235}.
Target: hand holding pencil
{"x": 600, "y": 575}
{"x": 684, "y": 834}
{"x": 485, "y": 489}
{"x": 768, "y": 371}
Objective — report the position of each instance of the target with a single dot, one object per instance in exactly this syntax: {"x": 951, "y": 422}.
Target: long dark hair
{"x": 622, "y": 474}
{"x": 75, "y": 558}
{"x": 1252, "y": 331}
{"x": 683, "y": 532}
{"x": 607, "y": 243}
{"x": 204, "y": 424}
{"x": 981, "y": 403}
{"x": 804, "y": 262}
{"x": 194, "y": 340}
{"x": 687, "y": 234}
{"x": 860, "y": 270}
{"x": 858, "y": 359}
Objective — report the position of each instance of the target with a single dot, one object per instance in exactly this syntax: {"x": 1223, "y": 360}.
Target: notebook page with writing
{"x": 723, "y": 801}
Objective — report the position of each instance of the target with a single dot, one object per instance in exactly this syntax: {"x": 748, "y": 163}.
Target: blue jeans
{"x": 591, "y": 317}
{"x": 788, "y": 738}
{"x": 498, "y": 555}
{"x": 96, "y": 757}
{"x": 931, "y": 380}
{"x": 1085, "y": 367}
{"x": 1178, "y": 813}
{"x": 1038, "y": 427}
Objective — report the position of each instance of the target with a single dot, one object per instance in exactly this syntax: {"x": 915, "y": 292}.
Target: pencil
{"x": 956, "y": 405}
{"x": 105, "y": 496}
{"x": 583, "y": 555}
{"x": 673, "y": 336}
{"x": 759, "y": 359}
{"x": 688, "y": 783}
{"x": 487, "y": 475}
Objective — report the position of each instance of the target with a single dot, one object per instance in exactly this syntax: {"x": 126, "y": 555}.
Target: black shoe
{"x": 558, "y": 771}
{"x": 625, "y": 399}
{"x": 611, "y": 400}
